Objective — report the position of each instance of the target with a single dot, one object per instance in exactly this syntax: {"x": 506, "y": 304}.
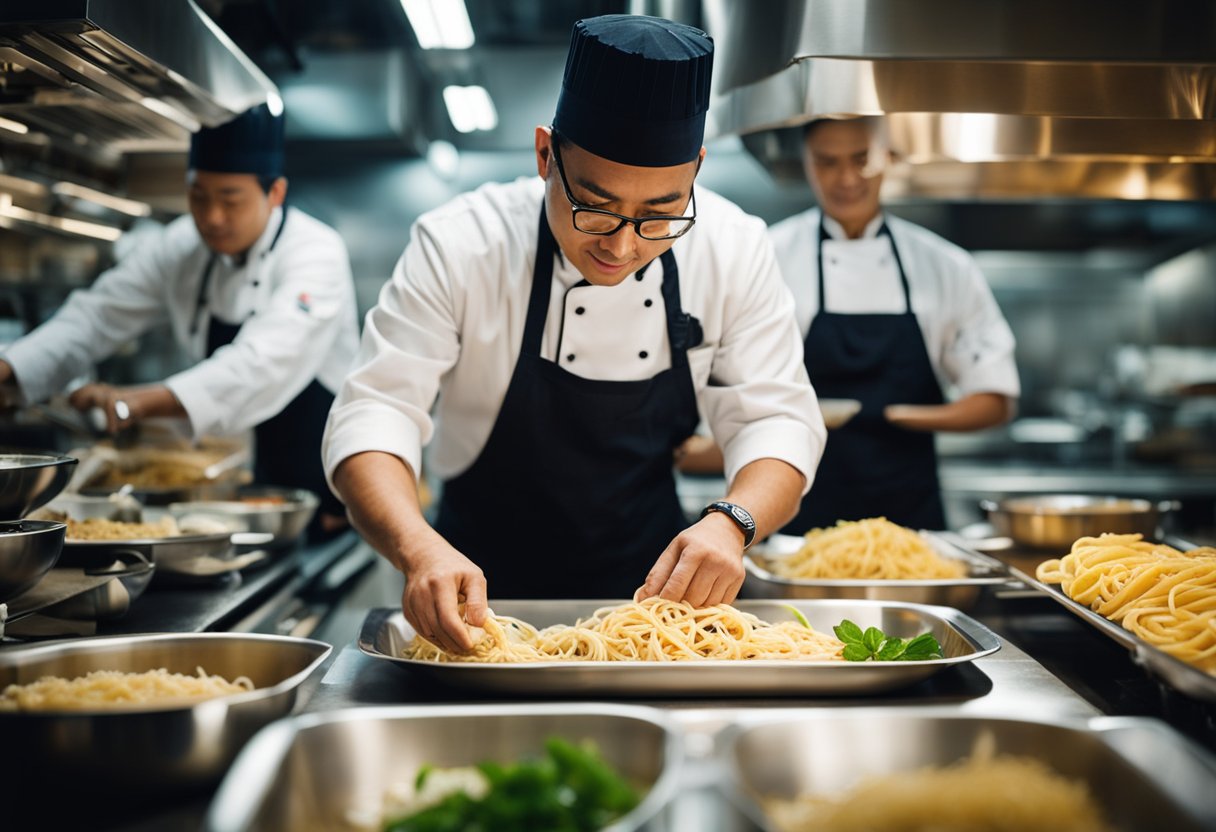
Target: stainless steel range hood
{"x": 119, "y": 75}
{"x": 1110, "y": 92}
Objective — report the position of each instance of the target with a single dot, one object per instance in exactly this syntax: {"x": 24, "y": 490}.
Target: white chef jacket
{"x": 450, "y": 322}
{"x": 296, "y": 302}
{"x": 969, "y": 342}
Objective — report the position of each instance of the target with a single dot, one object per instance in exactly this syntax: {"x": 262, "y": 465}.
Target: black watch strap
{"x": 739, "y": 514}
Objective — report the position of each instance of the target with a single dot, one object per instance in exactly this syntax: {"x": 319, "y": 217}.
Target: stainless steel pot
{"x": 30, "y": 480}
{"x": 1055, "y": 521}
{"x": 28, "y": 550}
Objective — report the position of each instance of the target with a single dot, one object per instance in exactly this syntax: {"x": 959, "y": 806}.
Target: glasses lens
{"x": 663, "y": 228}
{"x": 593, "y": 222}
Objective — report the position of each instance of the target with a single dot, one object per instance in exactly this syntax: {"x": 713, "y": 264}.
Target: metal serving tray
{"x": 333, "y": 770}
{"x": 1176, "y": 673}
{"x": 960, "y": 593}
{"x": 1144, "y": 775}
{"x": 385, "y": 633}
{"x": 147, "y": 752}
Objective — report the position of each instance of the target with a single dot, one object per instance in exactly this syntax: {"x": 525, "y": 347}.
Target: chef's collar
{"x": 260, "y": 246}
{"x": 836, "y": 230}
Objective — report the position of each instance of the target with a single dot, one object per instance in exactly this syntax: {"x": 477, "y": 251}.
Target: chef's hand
{"x": 124, "y": 406}
{"x": 703, "y": 565}
{"x": 438, "y": 580}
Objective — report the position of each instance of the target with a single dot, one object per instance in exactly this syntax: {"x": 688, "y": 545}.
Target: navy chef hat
{"x": 636, "y": 89}
{"x": 250, "y": 143}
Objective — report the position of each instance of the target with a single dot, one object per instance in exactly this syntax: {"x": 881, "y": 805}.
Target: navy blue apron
{"x": 289, "y": 443}
{"x": 871, "y": 468}
{"x": 573, "y": 495}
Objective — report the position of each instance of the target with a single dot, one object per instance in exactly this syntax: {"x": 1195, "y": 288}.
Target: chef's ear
{"x": 277, "y": 192}
{"x": 544, "y": 150}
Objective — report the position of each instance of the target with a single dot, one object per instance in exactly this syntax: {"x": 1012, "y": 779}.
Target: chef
{"x": 893, "y": 316}
{"x": 567, "y": 330}
{"x": 259, "y": 295}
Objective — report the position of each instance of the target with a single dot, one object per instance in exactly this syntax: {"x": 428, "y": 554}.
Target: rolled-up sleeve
{"x": 979, "y": 353}
{"x": 759, "y": 402}
{"x": 410, "y": 340}
{"x": 277, "y": 352}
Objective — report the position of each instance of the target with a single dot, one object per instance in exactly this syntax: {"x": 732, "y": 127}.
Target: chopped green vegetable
{"x": 798, "y": 616}
{"x": 874, "y": 644}
{"x": 570, "y": 789}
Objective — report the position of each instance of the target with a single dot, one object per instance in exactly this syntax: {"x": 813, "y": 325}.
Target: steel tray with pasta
{"x": 975, "y": 571}
{"x": 1156, "y": 599}
{"x": 387, "y": 636}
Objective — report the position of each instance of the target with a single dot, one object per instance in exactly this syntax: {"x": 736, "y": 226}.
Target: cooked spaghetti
{"x": 997, "y": 794}
{"x": 1164, "y": 596}
{"x": 99, "y": 528}
{"x": 865, "y": 549}
{"x": 105, "y": 689}
{"x": 650, "y": 630}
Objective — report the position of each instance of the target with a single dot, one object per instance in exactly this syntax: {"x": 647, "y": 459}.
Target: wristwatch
{"x": 737, "y": 513}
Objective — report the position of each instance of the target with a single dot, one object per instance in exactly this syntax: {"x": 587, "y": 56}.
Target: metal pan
{"x": 139, "y": 754}
{"x": 385, "y": 633}
{"x": 1144, "y": 775}
{"x": 1176, "y": 673}
{"x": 960, "y": 593}
{"x": 1054, "y": 521}
{"x": 175, "y": 555}
{"x": 285, "y": 521}
{"x": 317, "y": 771}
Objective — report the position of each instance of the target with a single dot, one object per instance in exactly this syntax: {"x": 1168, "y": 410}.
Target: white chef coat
{"x": 296, "y": 304}
{"x": 969, "y": 342}
{"x": 450, "y": 322}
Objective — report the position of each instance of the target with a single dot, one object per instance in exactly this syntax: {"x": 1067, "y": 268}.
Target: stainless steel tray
{"x": 134, "y": 755}
{"x": 317, "y": 771}
{"x": 1143, "y": 774}
{"x": 385, "y": 633}
{"x": 188, "y": 555}
{"x": 960, "y": 593}
{"x": 1174, "y": 672}
{"x": 285, "y": 522}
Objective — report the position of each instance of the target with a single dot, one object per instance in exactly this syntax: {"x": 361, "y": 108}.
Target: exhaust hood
{"x": 1002, "y": 98}
{"x": 110, "y": 77}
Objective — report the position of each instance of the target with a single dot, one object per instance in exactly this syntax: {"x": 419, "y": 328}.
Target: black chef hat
{"x": 636, "y": 89}
{"x": 250, "y": 143}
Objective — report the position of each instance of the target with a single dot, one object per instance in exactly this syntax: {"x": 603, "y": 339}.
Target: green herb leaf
{"x": 873, "y": 639}
{"x": 856, "y": 653}
{"x": 848, "y": 632}
{"x": 922, "y": 648}
{"x": 892, "y": 649}
{"x": 798, "y": 616}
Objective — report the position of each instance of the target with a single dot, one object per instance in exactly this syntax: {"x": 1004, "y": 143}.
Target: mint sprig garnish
{"x": 872, "y": 643}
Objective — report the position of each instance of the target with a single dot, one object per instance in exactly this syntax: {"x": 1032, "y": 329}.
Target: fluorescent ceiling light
{"x": 131, "y": 207}
{"x": 13, "y": 126}
{"x": 470, "y": 108}
{"x": 440, "y": 24}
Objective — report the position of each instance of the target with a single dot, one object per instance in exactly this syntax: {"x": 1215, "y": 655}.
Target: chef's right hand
{"x": 438, "y": 580}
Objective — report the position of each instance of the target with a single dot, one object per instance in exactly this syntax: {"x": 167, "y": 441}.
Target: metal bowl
{"x": 1056, "y": 521}
{"x": 319, "y": 770}
{"x": 28, "y": 550}
{"x": 146, "y": 753}
{"x": 286, "y": 521}
{"x": 30, "y": 480}
{"x": 1143, "y": 774}
{"x": 120, "y": 507}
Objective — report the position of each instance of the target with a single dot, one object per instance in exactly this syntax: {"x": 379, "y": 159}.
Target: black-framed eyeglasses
{"x": 606, "y": 223}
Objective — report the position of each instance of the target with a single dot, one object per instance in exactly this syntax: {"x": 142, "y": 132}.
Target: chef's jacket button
{"x": 832, "y": 261}
{"x": 257, "y": 283}
{"x": 643, "y": 354}
{"x": 579, "y": 311}
{"x": 649, "y": 302}
{"x": 638, "y": 277}
{"x": 570, "y": 357}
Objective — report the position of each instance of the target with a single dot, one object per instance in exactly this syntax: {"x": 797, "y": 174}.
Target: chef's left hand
{"x": 703, "y": 565}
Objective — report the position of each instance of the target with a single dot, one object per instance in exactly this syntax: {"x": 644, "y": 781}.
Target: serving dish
{"x": 285, "y": 520}
{"x": 385, "y": 633}
{"x": 149, "y": 752}
{"x": 960, "y": 593}
{"x": 188, "y": 554}
{"x": 28, "y": 550}
{"x": 318, "y": 771}
{"x": 30, "y": 480}
{"x": 1176, "y": 673}
{"x": 1054, "y": 521}
{"x": 1143, "y": 774}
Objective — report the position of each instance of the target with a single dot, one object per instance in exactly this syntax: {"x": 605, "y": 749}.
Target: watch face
{"x": 742, "y": 516}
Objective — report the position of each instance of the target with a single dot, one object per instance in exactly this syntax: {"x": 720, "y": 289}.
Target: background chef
{"x": 568, "y": 329}
{"x": 893, "y": 316}
{"x": 260, "y": 295}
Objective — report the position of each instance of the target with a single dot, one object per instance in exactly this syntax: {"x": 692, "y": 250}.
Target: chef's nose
{"x": 622, "y": 244}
